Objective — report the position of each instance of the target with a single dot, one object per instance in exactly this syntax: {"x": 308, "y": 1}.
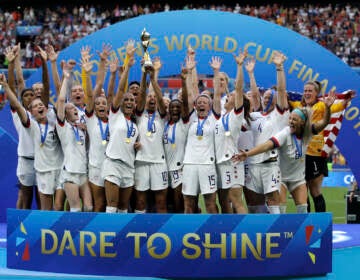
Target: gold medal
{"x": 41, "y": 144}
{"x": 79, "y": 143}
{"x": 173, "y": 145}
{"x": 148, "y": 133}
{"x": 104, "y": 142}
{"x": 127, "y": 140}
{"x": 227, "y": 133}
{"x": 199, "y": 137}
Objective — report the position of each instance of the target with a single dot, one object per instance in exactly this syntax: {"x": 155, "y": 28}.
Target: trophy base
{"x": 147, "y": 63}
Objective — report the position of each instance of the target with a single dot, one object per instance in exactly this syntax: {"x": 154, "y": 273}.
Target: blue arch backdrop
{"x": 211, "y": 34}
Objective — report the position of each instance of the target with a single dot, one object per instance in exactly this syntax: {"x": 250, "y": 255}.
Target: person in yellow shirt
{"x": 316, "y": 165}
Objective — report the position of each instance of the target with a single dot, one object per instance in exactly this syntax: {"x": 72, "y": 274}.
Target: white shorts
{"x": 292, "y": 185}
{"x": 265, "y": 177}
{"x": 75, "y": 178}
{"x": 25, "y": 172}
{"x": 230, "y": 174}
{"x": 48, "y": 182}
{"x": 118, "y": 173}
{"x": 199, "y": 178}
{"x": 153, "y": 176}
{"x": 95, "y": 176}
{"x": 176, "y": 177}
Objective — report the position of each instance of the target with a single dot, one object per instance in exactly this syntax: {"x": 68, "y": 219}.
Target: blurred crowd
{"x": 334, "y": 26}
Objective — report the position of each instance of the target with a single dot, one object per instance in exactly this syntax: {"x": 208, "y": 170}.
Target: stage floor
{"x": 346, "y": 249}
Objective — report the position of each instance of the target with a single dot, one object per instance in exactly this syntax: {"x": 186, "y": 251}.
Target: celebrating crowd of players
{"x": 130, "y": 150}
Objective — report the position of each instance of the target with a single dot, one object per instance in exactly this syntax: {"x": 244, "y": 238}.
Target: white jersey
{"x": 123, "y": 135}
{"x": 25, "y": 146}
{"x": 151, "y": 130}
{"x": 73, "y": 143}
{"x": 263, "y": 126}
{"x": 175, "y": 136}
{"x": 292, "y": 155}
{"x": 98, "y": 132}
{"x": 200, "y": 145}
{"x": 47, "y": 148}
{"x": 227, "y": 130}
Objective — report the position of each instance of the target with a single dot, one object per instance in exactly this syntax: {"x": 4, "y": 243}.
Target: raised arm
{"x": 184, "y": 90}
{"x": 52, "y": 55}
{"x": 18, "y": 69}
{"x": 190, "y": 65}
{"x": 60, "y": 103}
{"x": 194, "y": 77}
{"x": 100, "y": 77}
{"x": 141, "y": 100}
{"x": 259, "y": 149}
{"x": 157, "y": 90}
{"x": 278, "y": 59}
{"x": 10, "y": 56}
{"x": 123, "y": 83}
{"x": 328, "y": 101}
{"x": 87, "y": 66}
{"x": 157, "y": 66}
{"x": 14, "y": 102}
{"x": 113, "y": 67}
{"x": 255, "y": 93}
{"x": 239, "y": 82}
{"x": 45, "y": 96}
{"x": 215, "y": 64}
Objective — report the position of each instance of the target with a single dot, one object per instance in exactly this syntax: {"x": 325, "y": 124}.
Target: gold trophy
{"x": 145, "y": 42}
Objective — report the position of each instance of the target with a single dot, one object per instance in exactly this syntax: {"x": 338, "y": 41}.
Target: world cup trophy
{"x": 145, "y": 42}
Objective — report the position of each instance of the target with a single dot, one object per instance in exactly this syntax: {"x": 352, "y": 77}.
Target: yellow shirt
{"x": 318, "y": 109}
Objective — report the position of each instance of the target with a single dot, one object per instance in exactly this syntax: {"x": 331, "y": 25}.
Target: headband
{"x": 299, "y": 113}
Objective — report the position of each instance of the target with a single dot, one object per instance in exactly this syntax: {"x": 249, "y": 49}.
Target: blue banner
{"x": 210, "y": 33}
{"x": 213, "y": 33}
{"x": 177, "y": 245}
{"x": 338, "y": 179}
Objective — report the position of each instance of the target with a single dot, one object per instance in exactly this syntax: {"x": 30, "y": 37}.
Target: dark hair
{"x": 25, "y": 90}
{"x": 134, "y": 83}
{"x": 246, "y": 104}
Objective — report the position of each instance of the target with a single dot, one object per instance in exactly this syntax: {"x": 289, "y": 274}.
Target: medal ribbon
{"x": 199, "y": 130}
{"x": 225, "y": 122}
{"x": 298, "y": 147}
{"x": 103, "y": 133}
{"x": 43, "y": 136}
{"x": 172, "y": 139}
{"x": 151, "y": 121}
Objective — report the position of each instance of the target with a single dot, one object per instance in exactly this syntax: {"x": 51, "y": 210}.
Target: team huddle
{"x": 129, "y": 149}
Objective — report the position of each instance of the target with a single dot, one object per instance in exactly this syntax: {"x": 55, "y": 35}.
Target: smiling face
{"x": 230, "y": 102}
{"x": 202, "y": 106}
{"x": 134, "y": 89}
{"x": 77, "y": 95}
{"x": 151, "y": 102}
{"x": 175, "y": 110}
{"x": 38, "y": 110}
{"x": 101, "y": 107}
{"x": 27, "y": 97}
{"x": 224, "y": 79}
{"x": 128, "y": 104}
{"x": 267, "y": 98}
{"x": 310, "y": 94}
{"x": 71, "y": 113}
{"x": 38, "y": 89}
{"x": 296, "y": 124}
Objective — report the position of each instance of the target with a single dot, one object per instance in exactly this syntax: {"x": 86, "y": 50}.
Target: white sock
{"x": 274, "y": 209}
{"x": 139, "y": 211}
{"x": 282, "y": 209}
{"x": 301, "y": 209}
{"x": 75, "y": 209}
{"x": 122, "y": 211}
{"x": 110, "y": 209}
